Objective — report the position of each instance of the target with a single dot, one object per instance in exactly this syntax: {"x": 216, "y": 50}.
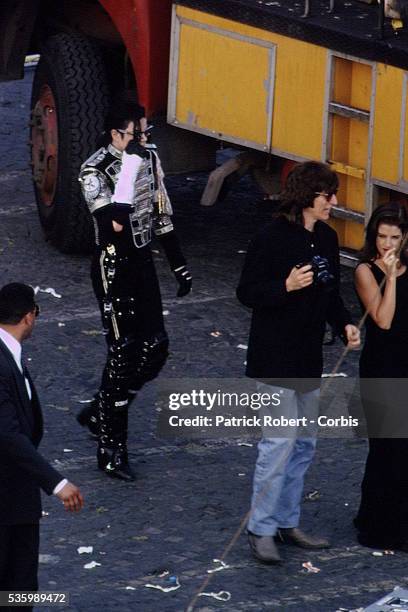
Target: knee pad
{"x": 133, "y": 362}
{"x": 154, "y": 355}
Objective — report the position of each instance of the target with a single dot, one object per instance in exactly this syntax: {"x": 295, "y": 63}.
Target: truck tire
{"x": 68, "y": 106}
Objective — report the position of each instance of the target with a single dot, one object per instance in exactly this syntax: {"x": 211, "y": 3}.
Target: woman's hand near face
{"x": 390, "y": 261}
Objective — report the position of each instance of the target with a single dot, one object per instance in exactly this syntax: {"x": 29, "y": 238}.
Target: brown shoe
{"x": 297, "y": 537}
{"x": 264, "y": 548}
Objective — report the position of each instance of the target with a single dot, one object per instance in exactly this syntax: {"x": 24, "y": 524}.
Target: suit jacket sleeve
{"x": 18, "y": 448}
{"x": 260, "y": 286}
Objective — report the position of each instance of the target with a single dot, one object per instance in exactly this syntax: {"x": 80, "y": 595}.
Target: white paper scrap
{"x": 49, "y": 290}
{"x": 221, "y": 567}
{"x": 91, "y": 565}
{"x": 221, "y": 596}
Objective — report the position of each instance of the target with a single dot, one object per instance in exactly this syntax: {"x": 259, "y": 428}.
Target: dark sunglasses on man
{"x": 138, "y": 133}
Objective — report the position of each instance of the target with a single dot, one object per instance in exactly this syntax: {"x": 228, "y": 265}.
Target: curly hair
{"x": 393, "y": 213}
{"x": 302, "y": 184}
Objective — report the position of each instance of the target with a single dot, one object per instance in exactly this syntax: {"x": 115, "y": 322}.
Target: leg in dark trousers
{"x": 19, "y": 549}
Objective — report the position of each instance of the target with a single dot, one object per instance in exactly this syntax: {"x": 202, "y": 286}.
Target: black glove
{"x": 134, "y": 148}
{"x": 184, "y": 279}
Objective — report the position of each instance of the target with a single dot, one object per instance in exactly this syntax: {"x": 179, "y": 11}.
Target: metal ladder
{"x": 308, "y": 7}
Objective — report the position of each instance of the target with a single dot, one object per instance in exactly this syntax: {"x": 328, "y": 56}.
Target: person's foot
{"x": 297, "y": 537}
{"x": 88, "y": 417}
{"x": 114, "y": 463}
{"x": 264, "y": 548}
{"x": 379, "y": 543}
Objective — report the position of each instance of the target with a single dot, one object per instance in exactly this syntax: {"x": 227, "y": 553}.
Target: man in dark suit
{"x": 23, "y": 471}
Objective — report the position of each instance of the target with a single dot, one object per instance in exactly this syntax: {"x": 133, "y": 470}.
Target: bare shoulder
{"x": 363, "y": 272}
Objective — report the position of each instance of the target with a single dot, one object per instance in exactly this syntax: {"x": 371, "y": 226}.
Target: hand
{"x": 71, "y": 497}
{"x": 117, "y": 227}
{"x": 184, "y": 279}
{"x": 390, "y": 261}
{"x": 353, "y": 336}
{"x": 299, "y": 278}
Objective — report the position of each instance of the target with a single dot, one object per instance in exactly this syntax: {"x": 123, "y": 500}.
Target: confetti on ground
{"x": 91, "y": 565}
{"x": 68, "y": 450}
{"x": 60, "y": 324}
{"x": 49, "y": 290}
{"x": 377, "y": 553}
{"x": 85, "y": 401}
{"x": 166, "y": 313}
{"x": 313, "y": 496}
{"x": 244, "y": 444}
{"x": 216, "y": 334}
{"x": 166, "y": 583}
{"x": 221, "y": 596}
{"x": 310, "y": 568}
{"x": 242, "y": 346}
{"x": 130, "y": 588}
{"x": 85, "y": 550}
{"x": 222, "y": 566}
{"x": 92, "y": 332}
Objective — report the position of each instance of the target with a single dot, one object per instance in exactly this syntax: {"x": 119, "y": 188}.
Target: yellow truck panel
{"x": 295, "y": 99}
{"x": 387, "y": 123}
{"x": 209, "y": 88}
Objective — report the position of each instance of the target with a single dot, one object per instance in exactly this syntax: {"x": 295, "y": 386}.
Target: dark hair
{"x": 16, "y": 300}
{"x": 393, "y": 213}
{"x": 119, "y": 117}
{"x": 303, "y": 181}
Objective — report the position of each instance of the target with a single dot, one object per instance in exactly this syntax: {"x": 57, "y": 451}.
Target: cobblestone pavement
{"x": 190, "y": 496}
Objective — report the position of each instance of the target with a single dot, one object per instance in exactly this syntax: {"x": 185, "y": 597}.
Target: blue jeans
{"x": 282, "y": 464}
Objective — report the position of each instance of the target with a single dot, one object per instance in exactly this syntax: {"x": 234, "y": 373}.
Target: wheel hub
{"x": 44, "y": 142}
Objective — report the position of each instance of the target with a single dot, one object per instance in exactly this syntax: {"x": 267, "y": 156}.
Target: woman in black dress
{"x": 381, "y": 281}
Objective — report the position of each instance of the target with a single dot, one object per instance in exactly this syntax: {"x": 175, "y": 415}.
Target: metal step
{"x": 349, "y": 112}
{"x": 348, "y": 214}
{"x": 348, "y": 258}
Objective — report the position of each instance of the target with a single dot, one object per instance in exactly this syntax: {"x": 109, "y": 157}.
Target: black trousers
{"x": 19, "y": 548}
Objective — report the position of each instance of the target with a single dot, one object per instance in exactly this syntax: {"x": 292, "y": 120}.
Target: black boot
{"x": 113, "y": 461}
{"x": 112, "y": 449}
{"x": 88, "y": 417}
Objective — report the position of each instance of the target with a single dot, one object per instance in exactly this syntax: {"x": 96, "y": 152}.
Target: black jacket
{"x": 23, "y": 471}
{"x": 287, "y": 329}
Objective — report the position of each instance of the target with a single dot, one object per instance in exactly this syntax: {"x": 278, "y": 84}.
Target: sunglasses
{"x": 328, "y": 194}
{"x": 137, "y": 133}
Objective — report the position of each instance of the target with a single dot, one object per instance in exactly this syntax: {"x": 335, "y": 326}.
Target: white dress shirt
{"x": 14, "y": 347}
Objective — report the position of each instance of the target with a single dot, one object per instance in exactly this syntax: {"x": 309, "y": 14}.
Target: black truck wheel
{"x": 68, "y": 107}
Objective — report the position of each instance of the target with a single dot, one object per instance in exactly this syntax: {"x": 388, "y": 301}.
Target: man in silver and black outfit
{"x": 123, "y": 186}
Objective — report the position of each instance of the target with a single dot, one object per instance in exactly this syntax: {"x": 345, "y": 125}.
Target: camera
{"x": 321, "y": 270}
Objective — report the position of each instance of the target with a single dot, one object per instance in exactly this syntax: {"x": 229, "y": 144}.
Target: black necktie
{"x": 27, "y": 380}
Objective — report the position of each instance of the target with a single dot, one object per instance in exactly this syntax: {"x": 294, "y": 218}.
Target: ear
{"x": 114, "y": 134}
{"x": 28, "y": 318}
